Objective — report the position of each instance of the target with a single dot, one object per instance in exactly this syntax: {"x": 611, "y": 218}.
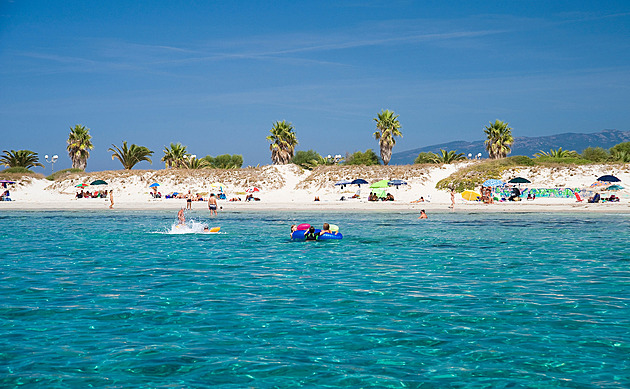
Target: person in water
{"x": 293, "y": 229}
{"x": 310, "y": 234}
{"x": 181, "y": 217}
{"x": 325, "y": 229}
{"x": 212, "y": 204}
{"x": 423, "y": 215}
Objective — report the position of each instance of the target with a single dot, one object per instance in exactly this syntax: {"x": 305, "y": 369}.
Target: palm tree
{"x": 559, "y": 153}
{"x": 20, "y": 158}
{"x": 129, "y": 157}
{"x": 283, "y": 142}
{"x": 388, "y": 127}
{"x": 499, "y": 140}
{"x": 175, "y": 156}
{"x": 447, "y": 156}
{"x": 196, "y": 163}
{"x": 79, "y": 146}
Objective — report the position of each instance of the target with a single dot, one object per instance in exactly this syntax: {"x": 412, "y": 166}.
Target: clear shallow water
{"x": 110, "y": 299}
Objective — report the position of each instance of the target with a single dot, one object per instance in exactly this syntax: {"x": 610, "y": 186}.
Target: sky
{"x": 216, "y": 75}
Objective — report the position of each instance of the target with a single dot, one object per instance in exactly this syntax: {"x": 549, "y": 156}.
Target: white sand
{"x": 289, "y": 187}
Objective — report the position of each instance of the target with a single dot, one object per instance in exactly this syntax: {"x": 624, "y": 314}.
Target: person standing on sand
{"x": 189, "y": 200}
{"x": 212, "y": 204}
{"x": 111, "y": 199}
{"x": 452, "y": 198}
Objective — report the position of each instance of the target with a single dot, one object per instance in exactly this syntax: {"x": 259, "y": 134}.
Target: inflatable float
{"x": 303, "y": 233}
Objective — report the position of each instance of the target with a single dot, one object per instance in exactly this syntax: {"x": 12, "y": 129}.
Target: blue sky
{"x": 216, "y": 75}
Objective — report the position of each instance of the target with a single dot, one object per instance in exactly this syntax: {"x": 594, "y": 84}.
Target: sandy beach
{"x": 288, "y": 187}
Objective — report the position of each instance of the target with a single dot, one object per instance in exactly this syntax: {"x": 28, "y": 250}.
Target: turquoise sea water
{"x": 108, "y": 299}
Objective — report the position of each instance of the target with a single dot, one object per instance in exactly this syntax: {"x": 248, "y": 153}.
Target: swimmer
{"x": 293, "y": 229}
{"x": 423, "y": 215}
{"x": 181, "y": 217}
{"x": 325, "y": 229}
{"x": 206, "y": 229}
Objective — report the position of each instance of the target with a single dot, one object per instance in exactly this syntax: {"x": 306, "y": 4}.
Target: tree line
{"x": 283, "y": 141}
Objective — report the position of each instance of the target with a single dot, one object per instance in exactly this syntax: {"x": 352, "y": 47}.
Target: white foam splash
{"x": 191, "y": 227}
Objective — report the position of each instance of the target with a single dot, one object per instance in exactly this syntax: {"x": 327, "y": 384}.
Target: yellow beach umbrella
{"x": 219, "y": 186}
{"x": 470, "y": 195}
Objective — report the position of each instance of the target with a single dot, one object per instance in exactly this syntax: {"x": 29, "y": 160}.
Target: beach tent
{"x": 470, "y": 195}
{"x": 379, "y": 184}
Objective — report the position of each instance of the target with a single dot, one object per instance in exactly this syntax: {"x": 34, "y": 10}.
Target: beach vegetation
{"x": 175, "y": 156}
{"x": 388, "y": 128}
{"x": 596, "y": 154}
{"x": 424, "y": 157}
{"x": 366, "y": 158}
{"x": 130, "y": 156}
{"x": 194, "y": 163}
{"x": 283, "y": 141}
{"x": 225, "y": 161}
{"x": 16, "y": 170}
{"x": 471, "y": 177}
{"x": 448, "y": 156}
{"x": 20, "y": 158}
{"x": 499, "y": 139}
{"x": 557, "y": 153}
{"x": 307, "y": 159}
{"x": 621, "y": 152}
{"x": 79, "y": 146}
{"x": 63, "y": 173}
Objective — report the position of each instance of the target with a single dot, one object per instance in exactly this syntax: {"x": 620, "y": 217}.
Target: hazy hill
{"x": 525, "y": 145}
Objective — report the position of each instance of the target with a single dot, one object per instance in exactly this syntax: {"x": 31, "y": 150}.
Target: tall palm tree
{"x": 283, "y": 142}
{"x": 175, "y": 156}
{"x": 388, "y": 127}
{"x": 500, "y": 139}
{"x": 129, "y": 157}
{"x": 79, "y": 146}
{"x": 20, "y": 158}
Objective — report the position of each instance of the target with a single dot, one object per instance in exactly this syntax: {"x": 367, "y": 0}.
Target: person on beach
{"x": 452, "y": 198}
{"x": 423, "y": 215}
{"x": 181, "y": 217}
{"x": 111, "y": 199}
{"x": 189, "y": 200}
{"x": 212, "y": 204}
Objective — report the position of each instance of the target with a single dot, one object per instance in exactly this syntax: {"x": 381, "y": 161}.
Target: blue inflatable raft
{"x": 299, "y": 235}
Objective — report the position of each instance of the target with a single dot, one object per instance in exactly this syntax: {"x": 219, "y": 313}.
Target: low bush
{"x": 62, "y": 173}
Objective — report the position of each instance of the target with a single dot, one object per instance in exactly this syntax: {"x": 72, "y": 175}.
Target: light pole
{"x": 479, "y": 156}
{"x": 51, "y": 162}
{"x": 469, "y": 155}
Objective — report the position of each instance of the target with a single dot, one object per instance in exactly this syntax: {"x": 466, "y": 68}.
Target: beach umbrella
{"x": 380, "y": 192}
{"x": 98, "y": 182}
{"x": 615, "y": 187}
{"x": 379, "y": 184}
{"x": 493, "y": 183}
{"x": 396, "y": 183}
{"x": 81, "y": 185}
{"x": 252, "y": 189}
{"x": 359, "y": 181}
{"x": 154, "y": 185}
{"x": 470, "y": 195}
{"x": 519, "y": 180}
{"x": 608, "y": 178}
{"x": 219, "y": 186}
{"x": 343, "y": 182}
{"x": 6, "y": 182}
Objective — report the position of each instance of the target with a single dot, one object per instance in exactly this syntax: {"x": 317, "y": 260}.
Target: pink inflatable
{"x": 303, "y": 226}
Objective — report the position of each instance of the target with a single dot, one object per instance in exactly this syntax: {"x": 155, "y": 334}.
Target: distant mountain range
{"x": 524, "y": 145}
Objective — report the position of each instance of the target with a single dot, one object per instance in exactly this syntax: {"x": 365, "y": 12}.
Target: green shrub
{"x": 367, "y": 158}
{"x": 307, "y": 159}
{"x": 17, "y": 169}
{"x": 595, "y": 154}
{"x": 63, "y": 172}
{"x": 225, "y": 161}
{"x": 471, "y": 177}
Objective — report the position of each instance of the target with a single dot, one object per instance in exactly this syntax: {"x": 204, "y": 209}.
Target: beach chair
{"x": 578, "y": 197}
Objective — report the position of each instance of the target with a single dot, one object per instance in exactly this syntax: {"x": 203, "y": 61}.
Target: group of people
{"x": 311, "y": 234}
{"x": 102, "y": 194}
{"x": 5, "y": 196}
{"x": 373, "y": 197}
{"x": 596, "y": 198}
{"x": 486, "y": 195}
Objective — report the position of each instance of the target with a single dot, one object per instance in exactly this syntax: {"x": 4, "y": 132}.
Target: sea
{"x": 125, "y": 299}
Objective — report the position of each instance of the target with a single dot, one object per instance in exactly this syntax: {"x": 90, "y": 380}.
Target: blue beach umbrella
{"x": 396, "y": 183}
{"x": 608, "y": 178}
{"x": 359, "y": 181}
{"x": 493, "y": 183}
{"x": 343, "y": 182}
{"x": 154, "y": 185}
